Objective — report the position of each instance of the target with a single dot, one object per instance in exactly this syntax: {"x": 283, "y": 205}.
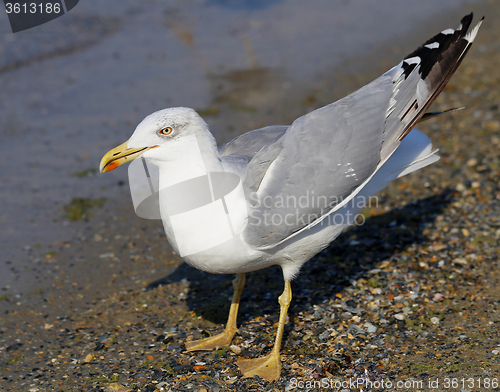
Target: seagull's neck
{"x": 198, "y": 157}
{"x": 186, "y": 191}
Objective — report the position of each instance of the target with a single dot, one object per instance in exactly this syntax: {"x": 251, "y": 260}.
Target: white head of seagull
{"x": 173, "y": 138}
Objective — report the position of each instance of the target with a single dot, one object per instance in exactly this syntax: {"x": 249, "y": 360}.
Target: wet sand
{"x": 113, "y": 304}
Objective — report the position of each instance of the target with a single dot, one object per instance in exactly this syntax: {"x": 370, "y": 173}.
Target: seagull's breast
{"x": 203, "y": 217}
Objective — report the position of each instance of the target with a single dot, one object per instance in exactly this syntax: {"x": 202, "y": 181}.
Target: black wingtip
{"x": 429, "y": 55}
{"x": 466, "y": 21}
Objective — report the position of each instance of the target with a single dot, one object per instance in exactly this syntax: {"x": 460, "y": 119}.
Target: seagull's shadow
{"x": 353, "y": 253}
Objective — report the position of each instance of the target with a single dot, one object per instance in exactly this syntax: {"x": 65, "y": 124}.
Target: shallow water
{"x": 77, "y": 86}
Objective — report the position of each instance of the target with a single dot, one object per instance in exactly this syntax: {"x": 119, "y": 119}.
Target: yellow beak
{"x": 120, "y": 155}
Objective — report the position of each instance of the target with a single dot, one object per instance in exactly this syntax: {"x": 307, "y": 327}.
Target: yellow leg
{"x": 224, "y": 338}
{"x": 269, "y": 367}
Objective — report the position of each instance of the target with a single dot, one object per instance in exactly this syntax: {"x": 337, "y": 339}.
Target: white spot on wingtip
{"x": 471, "y": 35}
{"x": 434, "y": 45}
{"x": 412, "y": 60}
{"x": 447, "y": 31}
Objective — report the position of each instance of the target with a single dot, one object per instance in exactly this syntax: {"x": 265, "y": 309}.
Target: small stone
{"x": 475, "y": 184}
{"x": 495, "y": 352}
{"x": 465, "y": 232}
{"x": 434, "y": 320}
{"x": 88, "y": 358}
{"x": 346, "y": 315}
{"x": 460, "y": 187}
{"x": 471, "y": 257}
{"x": 307, "y": 336}
{"x": 399, "y": 298}
{"x": 437, "y": 246}
{"x": 235, "y": 349}
{"x": 472, "y": 162}
{"x": 324, "y": 335}
{"x": 438, "y": 297}
{"x": 370, "y": 328}
{"x": 399, "y": 316}
{"x": 356, "y": 319}
{"x": 460, "y": 261}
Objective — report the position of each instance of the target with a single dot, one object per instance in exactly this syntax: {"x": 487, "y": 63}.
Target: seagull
{"x": 281, "y": 194}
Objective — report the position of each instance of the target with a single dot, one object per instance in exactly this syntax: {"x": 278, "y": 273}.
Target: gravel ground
{"x": 411, "y": 295}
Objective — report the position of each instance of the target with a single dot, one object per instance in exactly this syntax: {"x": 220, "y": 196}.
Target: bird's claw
{"x": 211, "y": 343}
{"x": 268, "y": 367}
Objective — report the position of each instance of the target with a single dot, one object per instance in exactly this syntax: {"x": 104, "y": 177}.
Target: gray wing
{"x": 326, "y": 157}
{"x": 248, "y": 144}
{"x": 237, "y": 153}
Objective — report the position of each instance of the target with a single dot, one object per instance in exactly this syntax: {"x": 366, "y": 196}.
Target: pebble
{"x": 370, "y": 328}
{"x": 472, "y": 162}
{"x": 434, "y": 320}
{"x": 324, "y": 335}
{"x": 88, "y": 358}
{"x": 235, "y": 349}
{"x": 438, "y": 297}
{"x": 438, "y": 247}
{"x": 400, "y": 316}
{"x": 460, "y": 261}
{"x": 399, "y": 299}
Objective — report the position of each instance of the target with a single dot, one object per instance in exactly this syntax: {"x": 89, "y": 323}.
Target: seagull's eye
{"x": 165, "y": 131}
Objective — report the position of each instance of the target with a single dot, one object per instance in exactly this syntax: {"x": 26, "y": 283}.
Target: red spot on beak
{"x": 111, "y": 166}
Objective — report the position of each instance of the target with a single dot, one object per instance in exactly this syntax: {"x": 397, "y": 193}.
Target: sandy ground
{"x": 410, "y": 296}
